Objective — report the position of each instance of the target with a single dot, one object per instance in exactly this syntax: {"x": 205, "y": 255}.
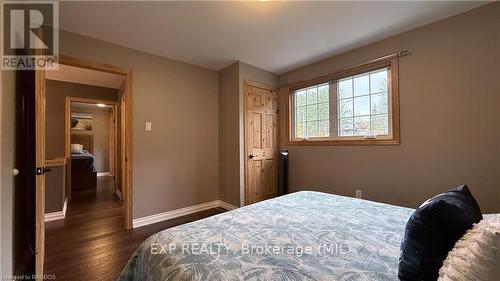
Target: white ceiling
{"x": 85, "y": 76}
{"x": 276, "y": 36}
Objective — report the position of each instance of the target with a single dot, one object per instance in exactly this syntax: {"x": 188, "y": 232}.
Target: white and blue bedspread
{"x": 300, "y": 236}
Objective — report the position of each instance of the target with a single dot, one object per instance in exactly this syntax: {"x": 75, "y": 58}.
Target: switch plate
{"x": 148, "y": 126}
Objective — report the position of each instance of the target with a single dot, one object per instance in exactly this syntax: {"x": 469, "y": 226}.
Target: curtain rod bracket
{"x": 402, "y": 53}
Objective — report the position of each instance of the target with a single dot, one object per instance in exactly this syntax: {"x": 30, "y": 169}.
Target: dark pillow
{"x": 433, "y": 229}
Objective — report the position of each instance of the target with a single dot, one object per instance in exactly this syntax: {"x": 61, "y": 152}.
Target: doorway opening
{"x": 85, "y": 120}
{"x": 91, "y": 144}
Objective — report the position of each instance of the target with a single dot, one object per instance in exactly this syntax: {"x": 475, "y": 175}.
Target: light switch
{"x": 148, "y": 126}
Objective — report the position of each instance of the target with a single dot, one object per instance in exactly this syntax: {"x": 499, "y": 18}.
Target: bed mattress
{"x": 300, "y": 236}
{"x": 82, "y": 162}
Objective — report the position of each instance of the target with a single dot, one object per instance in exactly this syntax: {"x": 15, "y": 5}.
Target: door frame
{"x": 246, "y": 84}
{"x": 40, "y": 99}
{"x": 127, "y": 126}
{"x": 67, "y": 134}
{"x": 112, "y": 145}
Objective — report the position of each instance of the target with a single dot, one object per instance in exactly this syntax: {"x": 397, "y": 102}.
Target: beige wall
{"x": 7, "y": 141}
{"x": 229, "y": 173}
{"x": 55, "y": 193}
{"x": 57, "y": 91}
{"x": 231, "y": 127}
{"x": 100, "y": 131}
{"x": 176, "y": 164}
{"x": 450, "y": 126}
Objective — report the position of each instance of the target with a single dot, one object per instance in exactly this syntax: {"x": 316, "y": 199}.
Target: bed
{"x": 300, "y": 236}
{"x": 83, "y": 171}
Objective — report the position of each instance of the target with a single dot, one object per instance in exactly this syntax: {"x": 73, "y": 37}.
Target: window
{"x": 312, "y": 112}
{"x": 362, "y": 108}
{"x": 355, "y": 106}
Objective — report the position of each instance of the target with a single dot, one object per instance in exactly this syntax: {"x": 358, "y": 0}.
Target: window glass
{"x": 368, "y": 106}
{"x": 312, "y": 112}
{"x": 358, "y": 106}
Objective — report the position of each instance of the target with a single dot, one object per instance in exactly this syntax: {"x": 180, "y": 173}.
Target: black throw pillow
{"x": 432, "y": 231}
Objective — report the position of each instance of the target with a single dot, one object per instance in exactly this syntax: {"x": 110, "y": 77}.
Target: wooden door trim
{"x": 56, "y": 162}
{"x": 245, "y": 141}
{"x": 92, "y": 101}
{"x": 88, "y": 64}
{"x": 40, "y": 162}
{"x": 246, "y": 84}
{"x": 112, "y": 143}
{"x": 260, "y": 85}
{"x": 122, "y": 140}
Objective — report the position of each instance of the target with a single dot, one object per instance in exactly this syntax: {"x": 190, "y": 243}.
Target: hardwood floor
{"x": 91, "y": 243}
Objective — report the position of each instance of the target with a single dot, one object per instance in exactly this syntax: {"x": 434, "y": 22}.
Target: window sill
{"x": 364, "y": 142}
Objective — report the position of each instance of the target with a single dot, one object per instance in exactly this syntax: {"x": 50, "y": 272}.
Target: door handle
{"x": 42, "y": 171}
{"x": 252, "y": 156}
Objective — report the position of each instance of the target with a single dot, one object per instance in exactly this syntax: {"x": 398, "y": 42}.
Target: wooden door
{"x": 261, "y": 142}
{"x": 24, "y": 213}
{"x": 29, "y": 184}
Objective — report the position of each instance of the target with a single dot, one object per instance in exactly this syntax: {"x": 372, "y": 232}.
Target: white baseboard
{"x": 226, "y": 205}
{"x": 57, "y": 215}
{"x": 103, "y": 174}
{"x": 118, "y": 193}
{"x": 181, "y": 212}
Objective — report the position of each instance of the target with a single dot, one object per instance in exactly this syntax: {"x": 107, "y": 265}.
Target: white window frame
{"x": 392, "y": 138}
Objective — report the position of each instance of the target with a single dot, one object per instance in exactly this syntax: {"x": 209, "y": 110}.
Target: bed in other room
{"x": 83, "y": 171}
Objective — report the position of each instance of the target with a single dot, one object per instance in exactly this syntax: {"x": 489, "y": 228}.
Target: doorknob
{"x": 15, "y": 172}
{"x": 252, "y": 156}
